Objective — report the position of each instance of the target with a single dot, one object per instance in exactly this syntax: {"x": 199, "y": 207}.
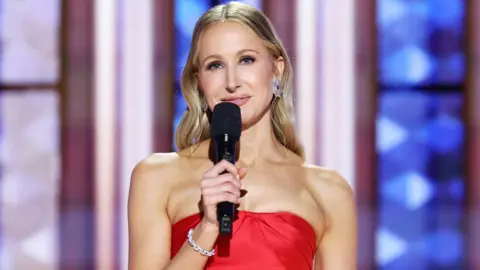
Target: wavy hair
{"x": 194, "y": 125}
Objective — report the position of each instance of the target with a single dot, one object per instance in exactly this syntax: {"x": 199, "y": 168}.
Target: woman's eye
{"x": 214, "y": 65}
{"x": 247, "y": 60}
{"x": 217, "y": 65}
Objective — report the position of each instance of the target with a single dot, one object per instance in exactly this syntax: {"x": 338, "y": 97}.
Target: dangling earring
{"x": 277, "y": 91}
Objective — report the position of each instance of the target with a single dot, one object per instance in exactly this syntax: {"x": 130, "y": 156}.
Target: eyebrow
{"x": 238, "y": 53}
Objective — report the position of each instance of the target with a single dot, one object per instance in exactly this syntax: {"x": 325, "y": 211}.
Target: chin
{"x": 249, "y": 120}
{"x": 246, "y": 121}
{"x": 253, "y": 113}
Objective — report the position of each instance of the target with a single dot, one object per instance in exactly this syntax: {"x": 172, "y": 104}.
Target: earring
{"x": 277, "y": 91}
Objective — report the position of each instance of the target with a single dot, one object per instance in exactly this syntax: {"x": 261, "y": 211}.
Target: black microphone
{"x": 225, "y": 129}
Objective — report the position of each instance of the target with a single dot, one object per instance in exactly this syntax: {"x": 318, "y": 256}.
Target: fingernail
{"x": 238, "y": 177}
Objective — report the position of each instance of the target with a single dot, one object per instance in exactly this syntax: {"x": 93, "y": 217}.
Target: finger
{"x": 222, "y": 197}
{"x": 220, "y": 168}
{"x": 226, "y": 187}
{"x": 242, "y": 172}
{"x": 226, "y": 197}
{"x": 224, "y": 178}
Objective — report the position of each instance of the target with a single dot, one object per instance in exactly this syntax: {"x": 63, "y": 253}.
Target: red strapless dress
{"x": 266, "y": 241}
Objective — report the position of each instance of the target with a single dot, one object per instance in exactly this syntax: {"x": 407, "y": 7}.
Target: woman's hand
{"x": 217, "y": 186}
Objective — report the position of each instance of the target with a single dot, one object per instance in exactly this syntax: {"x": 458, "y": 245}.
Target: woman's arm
{"x": 149, "y": 225}
{"x": 338, "y": 247}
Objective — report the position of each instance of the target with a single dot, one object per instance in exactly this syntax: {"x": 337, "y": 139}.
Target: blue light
{"x": 413, "y": 45}
{"x": 187, "y": 12}
{"x": 415, "y": 186}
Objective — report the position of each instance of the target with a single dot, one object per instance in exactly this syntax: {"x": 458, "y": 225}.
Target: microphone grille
{"x": 226, "y": 119}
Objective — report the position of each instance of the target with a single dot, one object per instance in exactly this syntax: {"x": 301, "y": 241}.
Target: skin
{"x": 234, "y": 62}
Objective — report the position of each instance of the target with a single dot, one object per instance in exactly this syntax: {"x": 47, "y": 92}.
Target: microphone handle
{"x": 225, "y": 215}
{"x": 225, "y": 146}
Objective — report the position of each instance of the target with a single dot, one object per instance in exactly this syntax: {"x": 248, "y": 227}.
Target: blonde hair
{"x": 194, "y": 125}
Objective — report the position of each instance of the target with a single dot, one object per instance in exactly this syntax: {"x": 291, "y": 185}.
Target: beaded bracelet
{"x": 197, "y": 247}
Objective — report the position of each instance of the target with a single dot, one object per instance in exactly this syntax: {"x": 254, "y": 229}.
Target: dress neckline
{"x": 194, "y": 216}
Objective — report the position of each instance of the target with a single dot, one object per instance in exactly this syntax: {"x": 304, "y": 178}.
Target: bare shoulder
{"x": 156, "y": 163}
{"x": 330, "y": 190}
{"x": 155, "y": 174}
{"x": 325, "y": 180}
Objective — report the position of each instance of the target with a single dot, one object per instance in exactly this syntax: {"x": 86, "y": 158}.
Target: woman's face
{"x": 235, "y": 66}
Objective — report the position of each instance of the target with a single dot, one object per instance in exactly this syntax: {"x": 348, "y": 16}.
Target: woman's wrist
{"x": 202, "y": 238}
{"x": 206, "y": 227}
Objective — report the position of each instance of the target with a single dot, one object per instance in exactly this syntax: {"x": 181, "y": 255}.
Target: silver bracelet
{"x": 197, "y": 247}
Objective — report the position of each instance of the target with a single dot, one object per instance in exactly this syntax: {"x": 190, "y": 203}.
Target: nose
{"x": 233, "y": 82}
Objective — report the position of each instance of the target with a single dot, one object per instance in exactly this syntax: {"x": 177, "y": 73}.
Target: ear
{"x": 279, "y": 66}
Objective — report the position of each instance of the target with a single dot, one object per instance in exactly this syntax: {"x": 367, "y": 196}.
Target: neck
{"x": 258, "y": 143}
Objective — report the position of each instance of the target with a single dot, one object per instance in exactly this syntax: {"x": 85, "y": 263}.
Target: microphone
{"x": 225, "y": 129}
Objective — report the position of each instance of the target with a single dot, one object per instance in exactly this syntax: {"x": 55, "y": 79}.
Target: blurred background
{"x": 385, "y": 93}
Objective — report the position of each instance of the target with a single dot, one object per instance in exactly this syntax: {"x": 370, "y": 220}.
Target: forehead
{"x": 228, "y": 38}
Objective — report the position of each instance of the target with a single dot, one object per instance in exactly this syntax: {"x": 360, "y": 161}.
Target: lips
{"x": 239, "y": 101}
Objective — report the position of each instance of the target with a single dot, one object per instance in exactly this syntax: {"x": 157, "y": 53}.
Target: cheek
{"x": 211, "y": 85}
{"x": 260, "y": 79}
{"x": 261, "y": 101}
{"x": 264, "y": 90}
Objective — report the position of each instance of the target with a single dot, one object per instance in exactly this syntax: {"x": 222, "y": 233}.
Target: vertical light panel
{"x": 282, "y": 14}
{"x": 164, "y": 78}
{"x": 76, "y": 198}
{"x": 29, "y": 162}
{"x": 29, "y": 42}
{"x": 305, "y": 82}
{"x": 136, "y": 114}
{"x": 105, "y": 110}
{"x": 29, "y": 134}
{"x": 420, "y": 138}
{"x": 336, "y": 100}
{"x": 473, "y": 136}
{"x": 365, "y": 116}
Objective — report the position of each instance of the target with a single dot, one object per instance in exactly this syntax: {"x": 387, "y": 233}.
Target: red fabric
{"x": 263, "y": 241}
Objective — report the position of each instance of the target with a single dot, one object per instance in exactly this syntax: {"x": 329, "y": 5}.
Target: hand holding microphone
{"x": 217, "y": 187}
{"x": 223, "y": 186}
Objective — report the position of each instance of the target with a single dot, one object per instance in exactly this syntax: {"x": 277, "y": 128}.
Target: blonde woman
{"x": 289, "y": 213}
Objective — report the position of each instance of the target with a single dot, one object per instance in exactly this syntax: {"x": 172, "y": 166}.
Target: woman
{"x": 289, "y": 212}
